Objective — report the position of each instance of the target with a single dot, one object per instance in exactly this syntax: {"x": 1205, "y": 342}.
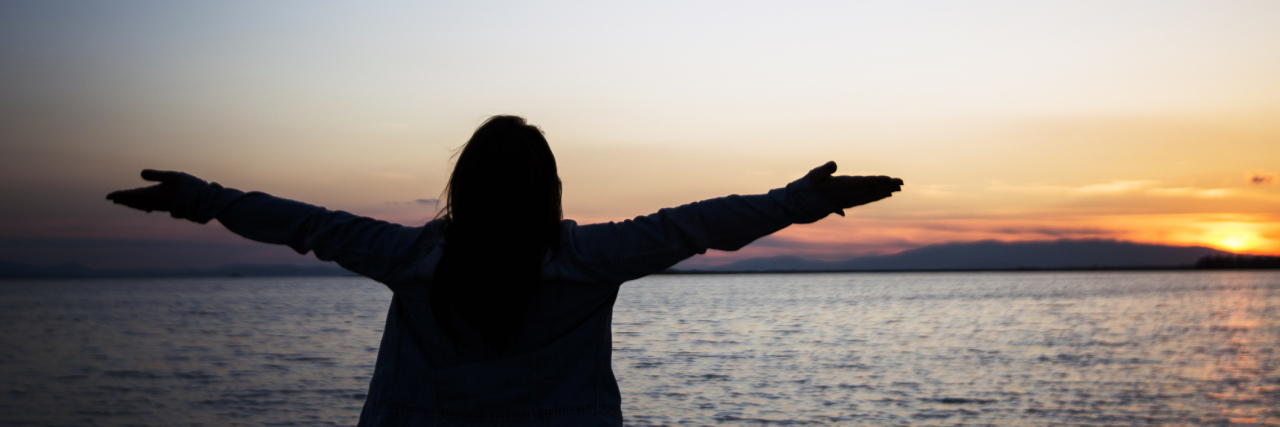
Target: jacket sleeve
{"x": 370, "y": 247}
{"x": 621, "y": 251}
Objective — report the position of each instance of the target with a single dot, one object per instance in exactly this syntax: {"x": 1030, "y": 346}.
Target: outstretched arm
{"x": 367, "y": 246}
{"x": 620, "y": 251}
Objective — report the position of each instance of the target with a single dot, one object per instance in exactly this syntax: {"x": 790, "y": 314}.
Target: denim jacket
{"x": 558, "y": 372}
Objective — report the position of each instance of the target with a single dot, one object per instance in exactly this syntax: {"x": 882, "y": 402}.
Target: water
{"x": 1174, "y": 348}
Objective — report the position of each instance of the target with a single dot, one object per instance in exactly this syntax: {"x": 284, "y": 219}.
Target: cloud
{"x": 1192, "y": 192}
{"x": 1144, "y": 187}
{"x": 1114, "y": 187}
{"x": 417, "y": 202}
{"x": 1061, "y": 232}
{"x": 1261, "y": 178}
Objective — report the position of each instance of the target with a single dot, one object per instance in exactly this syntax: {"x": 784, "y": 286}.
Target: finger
{"x": 825, "y": 170}
{"x": 867, "y": 190}
{"x": 123, "y": 194}
{"x": 864, "y": 181}
{"x": 123, "y": 197}
{"x": 884, "y": 181}
{"x": 138, "y": 198}
{"x": 881, "y": 178}
{"x": 880, "y": 196}
{"x": 161, "y": 176}
{"x": 120, "y": 197}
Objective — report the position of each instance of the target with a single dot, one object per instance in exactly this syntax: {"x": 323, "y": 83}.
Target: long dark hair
{"x": 503, "y": 213}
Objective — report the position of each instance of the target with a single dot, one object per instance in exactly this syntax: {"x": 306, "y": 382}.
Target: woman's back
{"x": 557, "y": 371}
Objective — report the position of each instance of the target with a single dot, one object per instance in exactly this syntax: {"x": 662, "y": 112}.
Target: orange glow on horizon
{"x": 839, "y": 239}
{"x": 1231, "y": 236}
{"x": 1233, "y": 240}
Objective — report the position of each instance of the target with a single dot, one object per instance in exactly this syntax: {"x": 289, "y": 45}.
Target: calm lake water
{"x": 1124, "y": 348}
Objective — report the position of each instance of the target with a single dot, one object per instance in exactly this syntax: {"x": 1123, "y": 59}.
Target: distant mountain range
{"x": 13, "y": 270}
{"x": 995, "y": 255}
{"x": 982, "y": 255}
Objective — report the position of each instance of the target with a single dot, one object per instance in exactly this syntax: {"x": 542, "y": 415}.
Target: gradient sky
{"x": 1149, "y": 121}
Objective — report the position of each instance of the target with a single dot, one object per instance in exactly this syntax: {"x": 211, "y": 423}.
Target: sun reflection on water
{"x": 1234, "y": 378}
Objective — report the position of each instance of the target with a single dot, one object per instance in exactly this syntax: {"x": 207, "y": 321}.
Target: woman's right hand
{"x": 848, "y": 191}
{"x": 157, "y": 197}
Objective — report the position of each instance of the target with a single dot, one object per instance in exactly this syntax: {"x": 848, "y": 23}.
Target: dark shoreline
{"x": 1206, "y": 263}
{"x": 326, "y": 272}
{"x": 966, "y": 270}
{"x": 19, "y": 271}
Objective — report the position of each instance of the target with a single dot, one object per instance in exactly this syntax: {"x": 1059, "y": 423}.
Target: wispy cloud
{"x": 1113, "y": 187}
{"x": 934, "y": 190}
{"x": 1130, "y": 187}
{"x": 416, "y": 202}
{"x": 1206, "y": 193}
{"x": 1261, "y": 178}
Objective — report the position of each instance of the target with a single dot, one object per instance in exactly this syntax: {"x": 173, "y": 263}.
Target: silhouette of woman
{"x": 501, "y": 309}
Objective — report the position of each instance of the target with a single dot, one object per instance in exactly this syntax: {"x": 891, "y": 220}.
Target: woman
{"x": 501, "y": 309}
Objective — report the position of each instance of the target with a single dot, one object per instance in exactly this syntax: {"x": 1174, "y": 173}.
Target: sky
{"x": 1147, "y": 121}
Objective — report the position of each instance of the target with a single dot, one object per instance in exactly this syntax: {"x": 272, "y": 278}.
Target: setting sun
{"x": 1233, "y": 239}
